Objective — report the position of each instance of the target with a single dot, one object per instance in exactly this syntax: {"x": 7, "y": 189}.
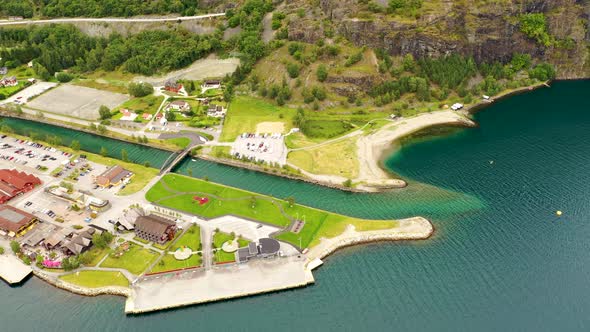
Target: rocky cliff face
{"x": 487, "y": 31}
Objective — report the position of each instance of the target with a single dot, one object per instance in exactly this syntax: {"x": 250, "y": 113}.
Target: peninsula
{"x": 93, "y": 229}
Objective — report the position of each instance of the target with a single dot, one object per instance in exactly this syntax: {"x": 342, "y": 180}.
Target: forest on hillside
{"x": 57, "y": 47}
{"x": 96, "y": 8}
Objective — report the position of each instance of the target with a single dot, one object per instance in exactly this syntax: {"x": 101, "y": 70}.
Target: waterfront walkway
{"x": 12, "y": 269}
{"x": 218, "y": 283}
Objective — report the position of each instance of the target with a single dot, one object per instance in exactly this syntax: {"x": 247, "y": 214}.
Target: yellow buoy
{"x": 559, "y": 213}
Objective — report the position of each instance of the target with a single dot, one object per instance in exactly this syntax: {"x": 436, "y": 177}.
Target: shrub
{"x": 322, "y": 73}
{"x": 293, "y": 70}
{"x": 63, "y": 77}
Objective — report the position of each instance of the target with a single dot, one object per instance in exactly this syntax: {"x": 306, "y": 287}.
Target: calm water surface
{"x": 500, "y": 259}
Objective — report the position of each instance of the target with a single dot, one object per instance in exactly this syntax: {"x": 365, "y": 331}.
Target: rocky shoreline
{"x": 417, "y": 228}
{"x": 56, "y": 282}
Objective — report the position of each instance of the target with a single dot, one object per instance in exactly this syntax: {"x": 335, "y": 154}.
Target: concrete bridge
{"x": 174, "y": 159}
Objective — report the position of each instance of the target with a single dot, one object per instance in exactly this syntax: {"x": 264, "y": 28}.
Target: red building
{"x": 13, "y": 183}
{"x": 172, "y": 86}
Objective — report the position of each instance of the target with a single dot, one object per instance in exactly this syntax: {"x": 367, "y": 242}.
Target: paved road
{"x": 112, "y": 19}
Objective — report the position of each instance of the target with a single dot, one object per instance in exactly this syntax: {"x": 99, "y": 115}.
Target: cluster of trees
{"x": 102, "y": 240}
{"x": 392, "y": 90}
{"x": 249, "y": 41}
{"x": 316, "y": 92}
{"x": 452, "y": 73}
{"x": 277, "y": 18}
{"x": 96, "y": 8}
{"x": 409, "y": 8}
{"x": 16, "y": 8}
{"x": 282, "y": 93}
{"x": 354, "y": 58}
{"x": 70, "y": 263}
{"x": 58, "y": 47}
{"x": 141, "y": 89}
{"x": 448, "y": 71}
{"x": 534, "y": 25}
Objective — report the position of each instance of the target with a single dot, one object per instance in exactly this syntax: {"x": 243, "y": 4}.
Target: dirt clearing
{"x": 270, "y": 128}
{"x": 77, "y": 101}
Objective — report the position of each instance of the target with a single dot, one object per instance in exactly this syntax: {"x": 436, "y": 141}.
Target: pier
{"x": 12, "y": 270}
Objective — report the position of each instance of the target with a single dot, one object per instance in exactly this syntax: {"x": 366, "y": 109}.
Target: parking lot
{"x": 261, "y": 147}
{"x": 17, "y": 153}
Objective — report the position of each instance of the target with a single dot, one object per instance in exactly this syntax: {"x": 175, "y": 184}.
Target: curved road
{"x": 111, "y": 19}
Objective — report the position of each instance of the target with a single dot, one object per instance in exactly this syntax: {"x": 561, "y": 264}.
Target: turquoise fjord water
{"x": 500, "y": 259}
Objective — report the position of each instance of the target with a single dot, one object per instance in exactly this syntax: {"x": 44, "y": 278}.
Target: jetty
{"x": 12, "y": 270}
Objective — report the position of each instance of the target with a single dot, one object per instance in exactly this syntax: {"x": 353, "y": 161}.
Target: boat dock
{"x": 12, "y": 270}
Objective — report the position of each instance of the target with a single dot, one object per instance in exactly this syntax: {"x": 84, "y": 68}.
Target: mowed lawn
{"x": 219, "y": 238}
{"x": 169, "y": 263}
{"x": 191, "y": 239}
{"x": 96, "y": 279}
{"x": 148, "y": 104}
{"x": 246, "y": 112}
{"x": 338, "y": 158}
{"x": 136, "y": 260}
{"x": 266, "y": 209}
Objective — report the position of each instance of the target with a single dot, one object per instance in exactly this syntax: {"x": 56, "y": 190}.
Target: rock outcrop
{"x": 488, "y": 32}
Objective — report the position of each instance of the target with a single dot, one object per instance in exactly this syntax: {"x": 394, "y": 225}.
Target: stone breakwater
{"x": 269, "y": 171}
{"x": 417, "y": 228}
{"x": 111, "y": 290}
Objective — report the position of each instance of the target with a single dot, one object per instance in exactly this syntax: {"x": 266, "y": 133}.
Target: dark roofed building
{"x": 266, "y": 247}
{"x": 211, "y": 84}
{"x": 14, "y": 221}
{"x": 79, "y": 243}
{"x": 112, "y": 176}
{"x": 155, "y": 228}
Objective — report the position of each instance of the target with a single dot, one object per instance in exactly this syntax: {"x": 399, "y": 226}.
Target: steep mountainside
{"x": 488, "y": 30}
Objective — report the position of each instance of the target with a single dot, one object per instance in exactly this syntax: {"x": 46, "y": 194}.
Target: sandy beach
{"x": 372, "y": 147}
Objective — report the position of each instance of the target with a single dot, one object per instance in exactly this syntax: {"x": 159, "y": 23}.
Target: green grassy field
{"x": 246, "y": 112}
{"x": 148, "y": 104}
{"x": 266, "y": 209}
{"x": 338, "y": 158}
{"x": 191, "y": 238}
{"x": 169, "y": 263}
{"x": 136, "y": 260}
{"x": 181, "y": 142}
{"x": 221, "y": 256}
{"x": 96, "y": 279}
